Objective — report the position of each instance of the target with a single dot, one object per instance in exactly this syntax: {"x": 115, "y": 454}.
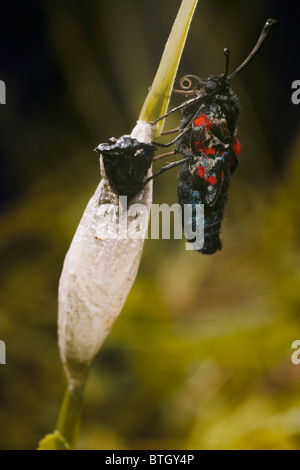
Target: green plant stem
{"x": 68, "y": 423}
{"x": 158, "y": 98}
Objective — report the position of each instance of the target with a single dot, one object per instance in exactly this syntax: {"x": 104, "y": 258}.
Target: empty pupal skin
{"x": 99, "y": 270}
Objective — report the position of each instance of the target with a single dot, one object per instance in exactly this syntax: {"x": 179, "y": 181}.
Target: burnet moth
{"x": 208, "y": 141}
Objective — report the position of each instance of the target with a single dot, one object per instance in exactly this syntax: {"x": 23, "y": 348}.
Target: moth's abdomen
{"x": 213, "y": 216}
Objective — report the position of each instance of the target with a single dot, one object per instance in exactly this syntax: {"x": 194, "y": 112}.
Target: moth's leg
{"x": 174, "y": 140}
{"x": 171, "y": 131}
{"x": 164, "y": 155}
{"x": 166, "y": 168}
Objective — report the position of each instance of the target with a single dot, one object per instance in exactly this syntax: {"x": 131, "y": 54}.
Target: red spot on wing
{"x": 209, "y": 151}
{"x": 200, "y": 147}
{"x": 236, "y": 146}
{"x": 211, "y": 180}
{"x": 201, "y": 120}
{"x": 208, "y": 125}
{"x": 201, "y": 171}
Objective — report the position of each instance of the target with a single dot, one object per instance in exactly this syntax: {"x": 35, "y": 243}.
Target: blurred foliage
{"x": 200, "y": 356}
{"x": 53, "y": 442}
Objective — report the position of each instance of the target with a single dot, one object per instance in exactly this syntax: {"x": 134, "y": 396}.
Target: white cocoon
{"x": 98, "y": 273}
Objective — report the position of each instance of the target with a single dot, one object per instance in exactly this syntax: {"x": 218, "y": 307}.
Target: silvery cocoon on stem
{"x": 97, "y": 276}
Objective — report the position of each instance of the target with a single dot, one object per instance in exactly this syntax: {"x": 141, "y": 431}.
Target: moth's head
{"x": 216, "y": 84}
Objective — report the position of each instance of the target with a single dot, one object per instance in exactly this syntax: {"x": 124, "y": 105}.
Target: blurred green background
{"x": 200, "y": 357}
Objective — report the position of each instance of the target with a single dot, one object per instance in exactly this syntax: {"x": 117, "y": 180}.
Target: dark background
{"x": 200, "y": 357}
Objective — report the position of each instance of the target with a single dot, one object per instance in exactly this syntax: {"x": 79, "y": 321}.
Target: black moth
{"x": 213, "y": 149}
{"x": 207, "y": 139}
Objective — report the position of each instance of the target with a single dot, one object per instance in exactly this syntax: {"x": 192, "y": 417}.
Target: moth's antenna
{"x": 226, "y": 57}
{"x": 261, "y": 40}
